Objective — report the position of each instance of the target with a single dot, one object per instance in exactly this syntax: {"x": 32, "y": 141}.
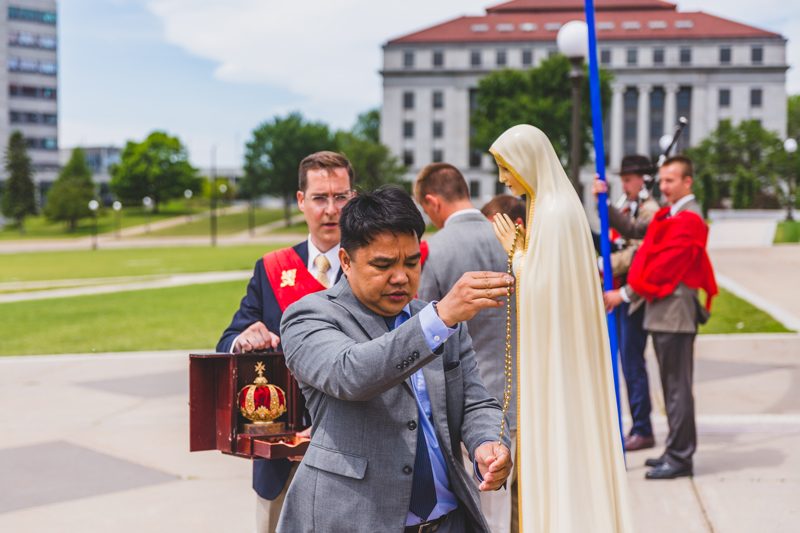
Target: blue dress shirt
{"x": 435, "y": 332}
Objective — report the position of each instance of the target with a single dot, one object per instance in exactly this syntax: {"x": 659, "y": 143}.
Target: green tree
{"x": 273, "y": 156}
{"x": 793, "y": 105}
{"x": 157, "y": 167}
{"x": 746, "y": 161}
{"x": 373, "y": 163}
{"x": 68, "y": 199}
{"x": 19, "y": 192}
{"x": 541, "y": 97}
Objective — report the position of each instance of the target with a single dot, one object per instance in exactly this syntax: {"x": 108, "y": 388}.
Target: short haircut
{"x": 443, "y": 180}
{"x": 686, "y": 164}
{"x": 329, "y": 161}
{"x": 386, "y": 210}
{"x": 505, "y": 203}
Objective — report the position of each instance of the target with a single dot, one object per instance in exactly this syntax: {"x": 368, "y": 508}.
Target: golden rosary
{"x": 509, "y": 360}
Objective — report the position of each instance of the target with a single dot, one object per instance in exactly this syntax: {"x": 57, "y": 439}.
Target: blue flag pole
{"x": 602, "y": 199}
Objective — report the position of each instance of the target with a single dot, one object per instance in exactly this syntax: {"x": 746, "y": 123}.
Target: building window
{"x": 408, "y": 158}
{"x": 31, "y": 118}
{"x": 658, "y": 56}
{"x": 13, "y": 63}
{"x": 631, "y": 101}
{"x": 408, "y": 129}
{"x": 47, "y": 67}
{"x": 757, "y": 54}
{"x": 499, "y": 188}
{"x": 31, "y": 15}
{"x": 438, "y": 100}
{"x": 438, "y": 129}
{"x": 438, "y": 58}
{"x": 686, "y": 56}
{"x": 474, "y": 188}
{"x": 724, "y": 97}
{"x": 605, "y": 56}
{"x": 438, "y": 156}
{"x": 633, "y": 56}
{"x": 755, "y": 97}
{"x": 725, "y": 55}
{"x": 475, "y": 58}
{"x": 684, "y": 109}
{"x": 49, "y": 144}
{"x": 501, "y": 58}
{"x": 47, "y": 93}
{"x": 408, "y": 59}
{"x": 527, "y": 58}
{"x": 50, "y": 119}
{"x": 14, "y": 117}
{"x": 408, "y": 100}
{"x": 656, "y": 120}
{"x": 475, "y": 158}
{"x": 28, "y": 65}
{"x": 46, "y": 41}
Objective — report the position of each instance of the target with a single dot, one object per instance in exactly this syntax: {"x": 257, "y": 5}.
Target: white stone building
{"x": 667, "y": 63}
{"x": 29, "y": 81}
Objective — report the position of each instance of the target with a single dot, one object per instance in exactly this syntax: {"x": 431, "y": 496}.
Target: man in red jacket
{"x": 667, "y": 270}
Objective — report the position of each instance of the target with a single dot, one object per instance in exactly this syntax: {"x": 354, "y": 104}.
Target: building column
{"x": 670, "y": 107}
{"x": 617, "y": 125}
{"x": 643, "y": 119}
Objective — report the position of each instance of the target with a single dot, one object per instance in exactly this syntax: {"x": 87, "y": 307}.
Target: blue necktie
{"x": 423, "y": 489}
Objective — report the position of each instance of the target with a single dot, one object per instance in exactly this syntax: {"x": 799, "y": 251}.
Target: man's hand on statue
{"x": 256, "y": 337}
{"x": 473, "y": 292}
{"x": 599, "y": 186}
{"x": 494, "y": 464}
{"x": 505, "y": 231}
{"x": 612, "y": 299}
{"x": 305, "y": 434}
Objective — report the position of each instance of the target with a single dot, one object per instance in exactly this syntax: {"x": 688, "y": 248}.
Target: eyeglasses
{"x": 339, "y": 200}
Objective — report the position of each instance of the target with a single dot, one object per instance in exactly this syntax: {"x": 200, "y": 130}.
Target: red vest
{"x": 289, "y": 277}
{"x": 673, "y": 251}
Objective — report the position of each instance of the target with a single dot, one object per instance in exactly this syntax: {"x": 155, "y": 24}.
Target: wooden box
{"x": 215, "y": 423}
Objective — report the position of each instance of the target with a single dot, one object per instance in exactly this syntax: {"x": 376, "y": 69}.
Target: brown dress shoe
{"x": 638, "y": 442}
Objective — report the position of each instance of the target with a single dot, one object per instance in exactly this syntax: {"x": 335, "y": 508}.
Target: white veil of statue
{"x": 569, "y": 453}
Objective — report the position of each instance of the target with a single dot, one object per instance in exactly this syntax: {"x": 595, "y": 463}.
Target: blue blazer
{"x": 260, "y": 304}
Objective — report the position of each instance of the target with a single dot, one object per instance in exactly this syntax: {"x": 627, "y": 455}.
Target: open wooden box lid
{"x": 215, "y": 380}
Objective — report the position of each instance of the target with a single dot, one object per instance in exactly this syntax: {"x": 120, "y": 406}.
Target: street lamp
{"x": 573, "y": 42}
{"x": 188, "y": 195}
{"x": 790, "y": 145}
{"x": 93, "y": 205}
{"x": 117, "y": 215}
{"x": 148, "y": 205}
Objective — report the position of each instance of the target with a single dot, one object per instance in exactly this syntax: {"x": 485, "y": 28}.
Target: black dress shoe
{"x": 634, "y": 442}
{"x": 655, "y": 462}
{"x": 668, "y": 471}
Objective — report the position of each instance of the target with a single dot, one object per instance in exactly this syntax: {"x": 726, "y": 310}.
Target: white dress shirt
{"x": 333, "y": 258}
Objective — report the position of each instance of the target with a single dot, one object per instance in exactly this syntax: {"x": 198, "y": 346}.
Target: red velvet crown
{"x": 261, "y": 402}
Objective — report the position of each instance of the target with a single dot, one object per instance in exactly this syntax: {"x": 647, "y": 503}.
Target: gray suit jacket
{"x": 468, "y": 244}
{"x": 356, "y": 475}
{"x": 680, "y": 312}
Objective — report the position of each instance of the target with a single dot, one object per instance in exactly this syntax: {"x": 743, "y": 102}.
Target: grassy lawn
{"x": 225, "y": 224}
{"x": 787, "y": 232}
{"x": 128, "y": 262}
{"x": 160, "y": 319}
{"x": 195, "y": 316}
{"x": 731, "y": 314}
{"x": 39, "y": 227}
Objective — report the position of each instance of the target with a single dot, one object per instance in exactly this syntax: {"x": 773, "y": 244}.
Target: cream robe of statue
{"x": 569, "y": 454}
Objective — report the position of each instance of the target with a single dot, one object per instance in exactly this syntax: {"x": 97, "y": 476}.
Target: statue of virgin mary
{"x": 570, "y": 461}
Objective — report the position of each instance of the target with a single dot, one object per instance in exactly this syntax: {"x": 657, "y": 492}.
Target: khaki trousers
{"x": 269, "y": 511}
{"x": 500, "y": 507}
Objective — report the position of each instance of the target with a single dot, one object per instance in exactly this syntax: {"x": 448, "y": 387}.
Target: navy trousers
{"x": 633, "y": 339}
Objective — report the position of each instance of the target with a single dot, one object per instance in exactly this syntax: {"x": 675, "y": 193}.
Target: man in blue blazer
{"x": 280, "y": 278}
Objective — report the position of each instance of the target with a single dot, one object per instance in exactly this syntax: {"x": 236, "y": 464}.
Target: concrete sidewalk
{"x": 98, "y": 443}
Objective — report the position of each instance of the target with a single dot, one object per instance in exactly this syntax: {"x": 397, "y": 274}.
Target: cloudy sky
{"x": 210, "y": 71}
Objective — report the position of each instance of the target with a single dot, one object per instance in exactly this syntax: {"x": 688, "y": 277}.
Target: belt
{"x": 427, "y": 527}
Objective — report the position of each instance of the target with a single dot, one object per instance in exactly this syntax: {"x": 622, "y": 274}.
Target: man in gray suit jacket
{"x": 392, "y": 387}
{"x": 465, "y": 243}
{"x": 672, "y": 321}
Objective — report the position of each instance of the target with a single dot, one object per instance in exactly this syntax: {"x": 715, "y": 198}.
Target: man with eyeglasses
{"x": 282, "y": 277}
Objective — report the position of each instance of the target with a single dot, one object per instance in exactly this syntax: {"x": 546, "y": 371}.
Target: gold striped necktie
{"x": 323, "y": 265}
